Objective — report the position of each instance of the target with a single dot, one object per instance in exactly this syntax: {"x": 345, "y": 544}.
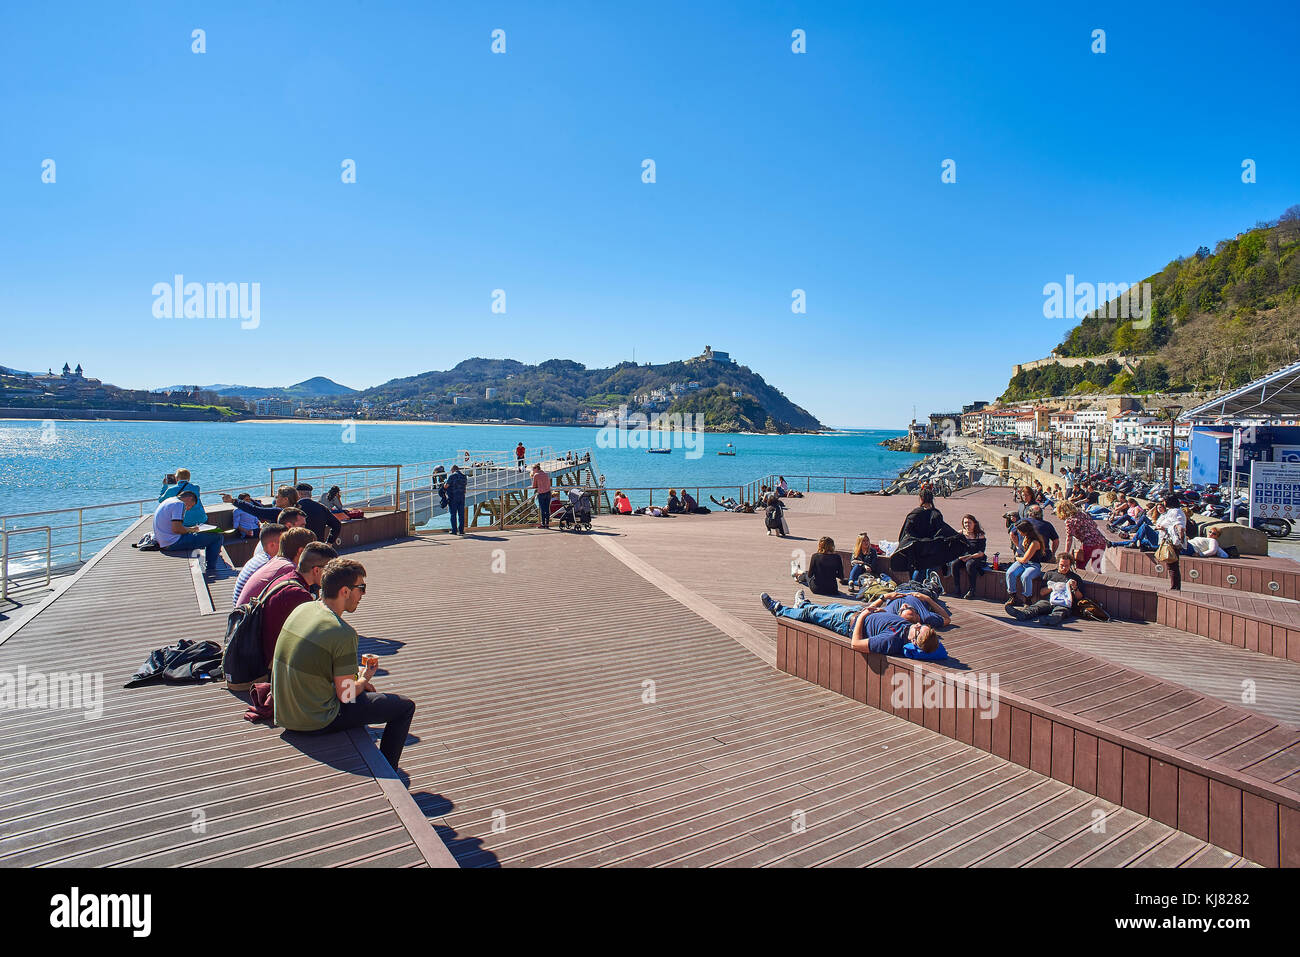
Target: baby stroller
{"x": 575, "y": 514}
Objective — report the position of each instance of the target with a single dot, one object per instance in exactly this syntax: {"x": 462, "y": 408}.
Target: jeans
{"x": 974, "y": 569}
{"x": 210, "y": 542}
{"x": 456, "y": 509}
{"x": 544, "y": 507}
{"x": 1055, "y": 614}
{"x": 838, "y": 618}
{"x": 1023, "y": 574}
{"x": 858, "y": 570}
{"x": 391, "y": 710}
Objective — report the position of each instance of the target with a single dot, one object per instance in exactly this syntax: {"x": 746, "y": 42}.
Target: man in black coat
{"x": 320, "y": 519}
{"x": 925, "y": 538}
{"x": 454, "y": 489}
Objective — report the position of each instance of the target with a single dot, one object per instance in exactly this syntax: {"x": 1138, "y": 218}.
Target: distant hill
{"x": 1219, "y": 320}
{"x": 315, "y": 387}
{"x": 558, "y": 389}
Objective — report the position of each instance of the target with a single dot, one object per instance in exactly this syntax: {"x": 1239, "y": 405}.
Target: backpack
{"x": 243, "y": 661}
{"x": 773, "y": 517}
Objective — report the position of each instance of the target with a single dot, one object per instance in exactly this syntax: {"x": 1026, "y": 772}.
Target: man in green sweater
{"x": 315, "y": 682}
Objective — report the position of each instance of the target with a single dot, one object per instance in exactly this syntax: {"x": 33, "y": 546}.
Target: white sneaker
{"x": 935, "y": 582}
{"x": 800, "y": 596}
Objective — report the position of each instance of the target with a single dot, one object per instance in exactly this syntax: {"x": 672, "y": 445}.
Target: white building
{"x": 489, "y": 393}
{"x": 1026, "y": 425}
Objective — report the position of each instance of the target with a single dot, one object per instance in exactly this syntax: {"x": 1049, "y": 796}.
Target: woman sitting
{"x": 973, "y": 542}
{"x": 621, "y": 503}
{"x": 863, "y": 559}
{"x": 1083, "y": 529}
{"x": 1027, "y": 567}
{"x": 825, "y": 570}
{"x": 334, "y": 501}
{"x": 674, "y": 506}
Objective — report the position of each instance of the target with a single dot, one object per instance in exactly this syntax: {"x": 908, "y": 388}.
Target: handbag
{"x": 1166, "y": 554}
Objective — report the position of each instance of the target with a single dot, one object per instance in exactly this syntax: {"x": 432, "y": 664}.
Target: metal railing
{"x": 827, "y": 482}
{"x": 4, "y": 555}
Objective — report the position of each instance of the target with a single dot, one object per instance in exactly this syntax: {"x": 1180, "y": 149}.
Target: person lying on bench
{"x": 1062, "y": 590}
{"x": 1207, "y": 545}
{"x": 881, "y": 631}
{"x": 914, "y": 606}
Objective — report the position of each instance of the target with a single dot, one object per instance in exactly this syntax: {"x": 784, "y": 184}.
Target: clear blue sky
{"x": 522, "y": 172}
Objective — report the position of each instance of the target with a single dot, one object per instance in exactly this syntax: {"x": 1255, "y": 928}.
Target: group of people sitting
{"x": 677, "y": 504}
{"x": 303, "y": 589}
{"x": 179, "y": 519}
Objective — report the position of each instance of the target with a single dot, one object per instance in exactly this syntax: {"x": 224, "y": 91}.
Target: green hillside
{"x": 559, "y": 389}
{"x": 1219, "y": 319}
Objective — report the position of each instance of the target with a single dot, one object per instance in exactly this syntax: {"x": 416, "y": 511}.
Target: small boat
{"x": 729, "y": 450}
{"x": 658, "y": 451}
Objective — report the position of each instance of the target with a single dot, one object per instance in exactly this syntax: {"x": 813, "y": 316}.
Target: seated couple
{"x": 784, "y": 491}
{"x": 895, "y": 624}
{"x": 172, "y": 533}
{"x": 685, "y": 505}
{"x": 826, "y": 567}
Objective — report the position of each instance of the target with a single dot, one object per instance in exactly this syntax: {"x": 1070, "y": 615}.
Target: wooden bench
{"x": 1264, "y": 576}
{"x": 378, "y": 525}
{"x": 1120, "y": 735}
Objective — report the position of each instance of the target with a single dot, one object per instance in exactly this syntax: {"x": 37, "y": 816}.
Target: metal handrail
{"x": 4, "y": 555}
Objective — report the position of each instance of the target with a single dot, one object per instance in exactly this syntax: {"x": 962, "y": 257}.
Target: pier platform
{"x": 604, "y": 699}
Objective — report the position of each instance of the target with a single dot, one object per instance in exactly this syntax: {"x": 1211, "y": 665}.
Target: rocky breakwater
{"x": 956, "y": 467}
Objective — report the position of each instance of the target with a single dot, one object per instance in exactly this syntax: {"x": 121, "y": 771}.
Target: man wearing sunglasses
{"x": 315, "y": 682}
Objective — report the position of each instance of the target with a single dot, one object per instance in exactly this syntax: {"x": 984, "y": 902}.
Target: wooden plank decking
{"x": 170, "y": 775}
{"x": 569, "y": 712}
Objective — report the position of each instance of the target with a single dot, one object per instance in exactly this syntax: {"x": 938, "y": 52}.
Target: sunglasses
{"x": 361, "y": 588}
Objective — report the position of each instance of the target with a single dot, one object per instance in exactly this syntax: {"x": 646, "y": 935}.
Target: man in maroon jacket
{"x": 293, "y": 590}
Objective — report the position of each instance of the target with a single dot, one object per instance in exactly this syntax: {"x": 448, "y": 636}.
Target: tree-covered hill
{"x": 559, "y": 389}
{"x": 1219, "y": 319}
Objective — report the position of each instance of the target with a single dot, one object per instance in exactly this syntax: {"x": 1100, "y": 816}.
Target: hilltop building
{"x": 708, "y": 355}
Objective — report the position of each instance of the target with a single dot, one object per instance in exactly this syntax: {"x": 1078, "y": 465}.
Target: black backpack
{"x": 243, "y": 660}
{"x": 773, "y": 518}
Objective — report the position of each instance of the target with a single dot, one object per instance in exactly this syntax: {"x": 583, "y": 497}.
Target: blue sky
{"x": 522, "y": 172}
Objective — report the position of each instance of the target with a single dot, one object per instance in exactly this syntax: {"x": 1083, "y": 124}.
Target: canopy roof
{"x": 1274, "y": 396}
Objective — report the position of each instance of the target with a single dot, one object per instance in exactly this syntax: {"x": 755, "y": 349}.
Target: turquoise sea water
{"x": 87, "y": 463}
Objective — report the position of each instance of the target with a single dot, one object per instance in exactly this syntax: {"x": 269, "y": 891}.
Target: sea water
{"x": 59, "y": 465}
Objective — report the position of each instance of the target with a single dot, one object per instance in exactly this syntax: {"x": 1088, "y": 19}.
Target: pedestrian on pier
{"x": 454, "y": 488}
{"x": 542, "y": 486}
{"x": 519, "y": 455}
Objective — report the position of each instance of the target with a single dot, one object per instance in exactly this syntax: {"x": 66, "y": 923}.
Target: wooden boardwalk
{"x": 569, "y": 712}
{"x": 170, "y": 775}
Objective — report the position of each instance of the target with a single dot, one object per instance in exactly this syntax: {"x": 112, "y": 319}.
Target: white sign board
{"x": 1275, "y": 490}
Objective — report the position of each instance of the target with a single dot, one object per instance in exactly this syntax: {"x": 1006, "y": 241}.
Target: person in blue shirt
{"x": 915, "y": 607}
{"x": 454, "y": 487}
{"x": 880, "y": 631}
{"x": 195, "y": 515}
